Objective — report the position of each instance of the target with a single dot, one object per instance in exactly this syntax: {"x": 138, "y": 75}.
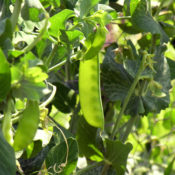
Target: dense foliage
{"x": 87, "y": 87}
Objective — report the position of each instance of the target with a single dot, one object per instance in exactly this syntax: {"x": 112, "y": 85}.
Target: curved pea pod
{"x": 90, "y": 94}
{"x": 27, "y": 126}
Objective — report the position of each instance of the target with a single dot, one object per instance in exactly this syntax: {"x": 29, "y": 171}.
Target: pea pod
{"x": 89, "y": 90}
{"x": 7, "y": 123}
{"x": 89, "y": 81}
{"x": 27, "y": 126}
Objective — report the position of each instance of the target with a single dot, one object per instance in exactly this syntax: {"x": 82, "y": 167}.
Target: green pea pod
{"x": 89, "y": 90}
{"x": 98, "y": 40}
{"x": 27, "y": 126}
{"x": 7, "y": 123}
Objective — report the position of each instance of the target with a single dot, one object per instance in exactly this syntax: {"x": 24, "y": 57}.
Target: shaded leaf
{"x": 87, "y": 141}
{"x": 169, "y": 169}
{"x": 7, "y": 160}
{"x": 65, "y": 98}
{"x": 57, "y": 156}
{"x": 117, "y": 81}
{"x": 142, "y": 19}
{"x": 117, "y": 153}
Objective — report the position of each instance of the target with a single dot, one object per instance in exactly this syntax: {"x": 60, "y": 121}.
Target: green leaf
{"x": 169, "y": 29}
{"x": 171, "y": 64}
{"x": 5, "y": 33}
{"x": 65, "y": 98}
{"x": 57, "y": 156}
{"x": 87, "y": 141}
{"x": 5, "y": 76}
{"x": 130, "y": 6}
{"x": 28, "y": 79}
{"x": 170, "y": 52}
{"x": 117, "y": 81}
{"x": 143, "y": 20}
{"x": 83, "y": 7}
{"x": 70, "y": 37}
{"x": 117, "y": 153}
{"x": 169, "y": 169}
{"x": 61, "y": 118}
{"x": 32, "y": 10}
{"x": 4, "y": 9}
{"x": 7, "y": 160}
{"x": 58, "y": 21}
{"x": 108, "y": 10}
{"x": 27, "y": 126}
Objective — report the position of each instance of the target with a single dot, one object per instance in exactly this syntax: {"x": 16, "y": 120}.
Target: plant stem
{"x": 59, "y": 65}
{"x": 45, "y": 103}
{"x": 159, "y": 8}
{"x": 130, "y": 92}
{"x": 105, "y": 169}
{"x": 39, "y": 37}
{"x": 89, "y": 167}
{"x": 122, "y": 18}
{"x": 48, "y": 61}
{"x": 67, "y": 67}
{"x": 15, "y": 14}
{"x": 129, "y": 128}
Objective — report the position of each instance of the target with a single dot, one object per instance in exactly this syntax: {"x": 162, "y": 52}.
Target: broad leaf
{"x": 117, "y": 81}
{"x": 7, "y": 160}
{"x": 83, "y": 7}
{"x": 169, "y": 169}
{"x": 65, "y": 98}
{"x": 28, "y": 79}
{"x": 5, "y": 34}
{"x": 57, "y": 156}
{"x": 143, "y": 20}
{"x": 87, "y": 141}
{"x": 32, "y": 10}
{"x": 5, "y": 77}
{"x": 117, "y": 153}
{"x": 58, "y": 21}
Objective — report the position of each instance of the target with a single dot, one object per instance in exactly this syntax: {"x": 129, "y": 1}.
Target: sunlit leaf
{"x": 5, "y": 76}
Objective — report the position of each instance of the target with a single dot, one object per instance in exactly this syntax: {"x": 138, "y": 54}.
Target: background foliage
{"x": 44, "y": 129}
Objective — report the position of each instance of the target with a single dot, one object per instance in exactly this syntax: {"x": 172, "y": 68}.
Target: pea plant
{"x": 87, "y": 87}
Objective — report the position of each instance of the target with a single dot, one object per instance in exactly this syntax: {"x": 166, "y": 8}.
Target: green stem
{"x": 67, "y": 67}
{"x": 129, "y": 128}
{"x": 105, "y": 169}
{"x": 89, "y": 167}
{"x": 149, "y": 6}
{"x": 45, "y": 103}
{"x": 122, "y": 18}
{"x": 15, "y": 14}
{"x": 159, "y": 8}
{"x": 130, "y": 92}
{"x": 59, "y": 65}
{"x": 39, "y": 37}
{"x": 48, "y": 61}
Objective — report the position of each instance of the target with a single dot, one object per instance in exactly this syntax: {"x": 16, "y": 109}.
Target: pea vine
{"x": 87, "y": 87}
